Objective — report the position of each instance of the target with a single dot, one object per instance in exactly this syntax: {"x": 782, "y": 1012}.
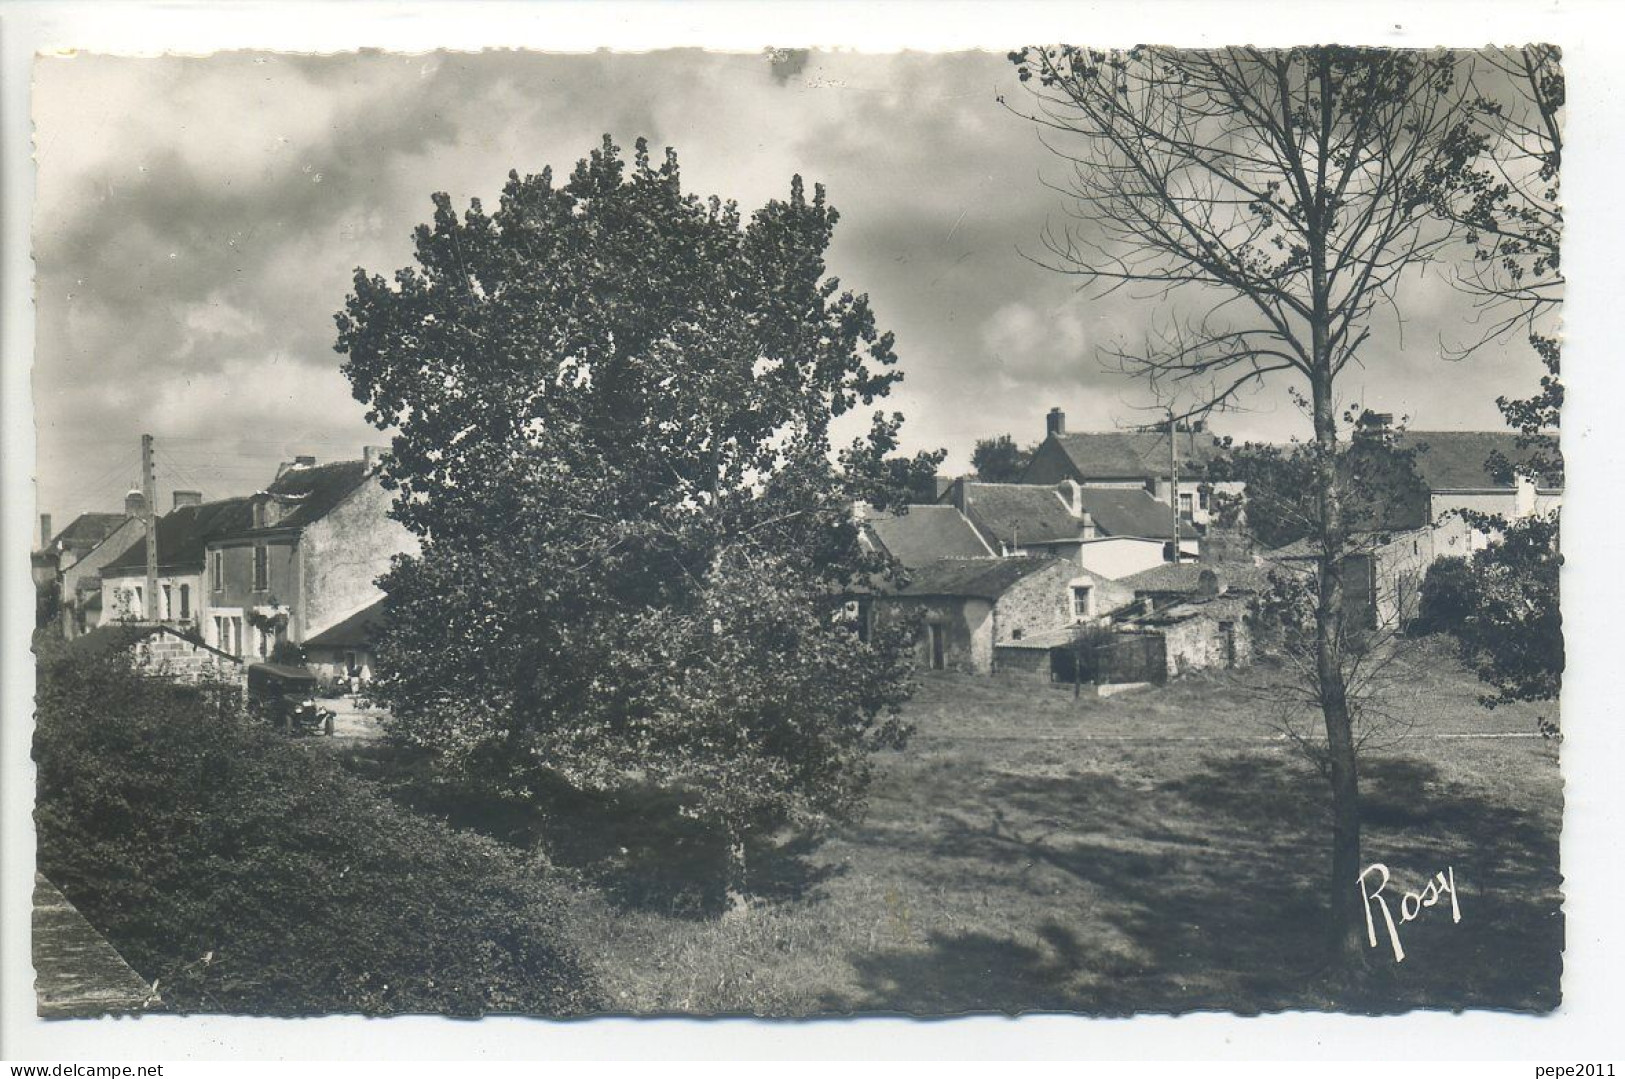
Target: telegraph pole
{"x": 149, "y": 494}
{"x": 1173, "y": 479}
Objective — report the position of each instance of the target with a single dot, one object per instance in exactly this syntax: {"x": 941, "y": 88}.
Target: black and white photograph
{"x": 799, "y": 532}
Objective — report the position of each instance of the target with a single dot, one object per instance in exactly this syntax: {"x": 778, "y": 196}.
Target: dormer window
{"x": 259, "y": 513}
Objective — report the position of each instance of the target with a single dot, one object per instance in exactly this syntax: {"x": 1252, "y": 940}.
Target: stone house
{"x": 1383, "y": 571}
{"x": 967, "y": 609}
{"x": 1136, "y": 460}
{"x": 183, "y": 535}
{"x": 69, "y": 563}
{"x": 1453, "y": 468}
{"x": 1108, "y": 531}
{"x": 307, "y": 557}
{"x": 1199, "y": 633}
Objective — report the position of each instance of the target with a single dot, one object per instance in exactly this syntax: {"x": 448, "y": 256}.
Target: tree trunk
{"x": 738, "y": 901}
{"x": 1347, "y": 919}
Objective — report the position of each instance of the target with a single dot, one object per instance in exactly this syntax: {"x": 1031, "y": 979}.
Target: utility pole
{"x": 149, "y": 495}
{"x": 1173, "y": 479}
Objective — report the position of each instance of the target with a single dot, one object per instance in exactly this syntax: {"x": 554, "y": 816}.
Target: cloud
{"x": 198, "y": 221}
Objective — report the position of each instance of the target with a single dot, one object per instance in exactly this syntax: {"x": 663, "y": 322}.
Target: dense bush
{"x": 248, "y": 873}
{"x": 1449, "y": 597}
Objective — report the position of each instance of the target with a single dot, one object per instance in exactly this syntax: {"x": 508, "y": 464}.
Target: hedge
{"x": 247, "y": 872}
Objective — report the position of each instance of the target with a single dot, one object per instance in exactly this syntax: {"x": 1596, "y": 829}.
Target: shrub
{"x": 248, "y": 873}
{"x": 1449, "y": 597}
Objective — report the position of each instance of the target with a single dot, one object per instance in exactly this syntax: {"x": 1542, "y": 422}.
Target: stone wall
{"x": 174, "y": 656}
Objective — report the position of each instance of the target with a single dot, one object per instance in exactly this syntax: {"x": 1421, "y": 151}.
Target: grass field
{"x": 1159, "y": 851}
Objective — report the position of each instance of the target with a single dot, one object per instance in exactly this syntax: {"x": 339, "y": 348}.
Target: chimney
{"x": 1089, "y": 526}
{"x": 372, "y": 456}
{"x": 188, "y": 498}
{"x": 135, "y": 503}
{"x": 1055, "y": 423}
{"x": 45, "y": 532}
{"x": 304, "y": 461}
{"x": 1523, "y": 497}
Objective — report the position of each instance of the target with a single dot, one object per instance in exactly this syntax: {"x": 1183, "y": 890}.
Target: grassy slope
{"x": 1158, "y": 851}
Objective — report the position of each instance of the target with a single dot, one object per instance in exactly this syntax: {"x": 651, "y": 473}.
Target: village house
{"x": 1199, "y": 610}
{"x": 968, "y": 608}
{"x": 1454, "y": 467}
{"x": 182, "y": 536}
{"x": 1111, "y": 532}
{"x": 1383, "y": 571}
{"x": 69, "y": 563}
{"x": 1140, "y": 459}
{"x": 304, "y": 561}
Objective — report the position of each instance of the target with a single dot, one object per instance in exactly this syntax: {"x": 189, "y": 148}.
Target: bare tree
{"x": 1277, "y": 200}
{"x": 1509, "y": 203}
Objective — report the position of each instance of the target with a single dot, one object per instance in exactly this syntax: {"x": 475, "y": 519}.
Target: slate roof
{"x": 979, "y": 578}
{"x": 1122, "y": 511}
{"x": 1014, "y": 513}
{"x": 925, "y": 534}
{"x": 308, "y": 493}
{"x": 183, "y": 536}
{"x": 86, "y": 531}
{"x": 1185, "y": 577}
{"x": 1124, "y": 455}
{"x": 1454, "y": 460}
{"x": 358, "y": 629}
{"x": 1018, "y": 514}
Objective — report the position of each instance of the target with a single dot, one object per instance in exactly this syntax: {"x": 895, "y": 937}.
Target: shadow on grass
{"x": 635, "y": 846}
{"x": 1208, "y": 893}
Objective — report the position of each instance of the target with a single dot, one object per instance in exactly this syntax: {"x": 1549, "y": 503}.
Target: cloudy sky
{"x": 198, "y": 221}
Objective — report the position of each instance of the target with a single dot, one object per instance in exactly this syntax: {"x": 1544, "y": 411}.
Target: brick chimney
{"x": 45, "y": 532}
{"x": 1055, "y": 423}
{"x": 188, "y": 498}
{"x": 135, "y": 503}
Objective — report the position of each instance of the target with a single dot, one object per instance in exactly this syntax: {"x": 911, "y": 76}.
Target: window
{"x": 140, "y": 610}
{"x": 217, "y": 570}
{"x": 262, "y": 568}
{"x": 169, "y": 602}
{"x": 237, "y": 637}
{"x": 1080, "y": 601}
{"x": 1201, "y": 498}
{"x": 1187, "y": 505}
{"x": 186, "y": 601}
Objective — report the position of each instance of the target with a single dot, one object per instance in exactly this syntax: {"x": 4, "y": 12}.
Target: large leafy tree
{"x": 614, "y": 405}
{"x": 1511, "y": 206}
{"x": 1276, "y": 202}
{"x": 999, "y": 460}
